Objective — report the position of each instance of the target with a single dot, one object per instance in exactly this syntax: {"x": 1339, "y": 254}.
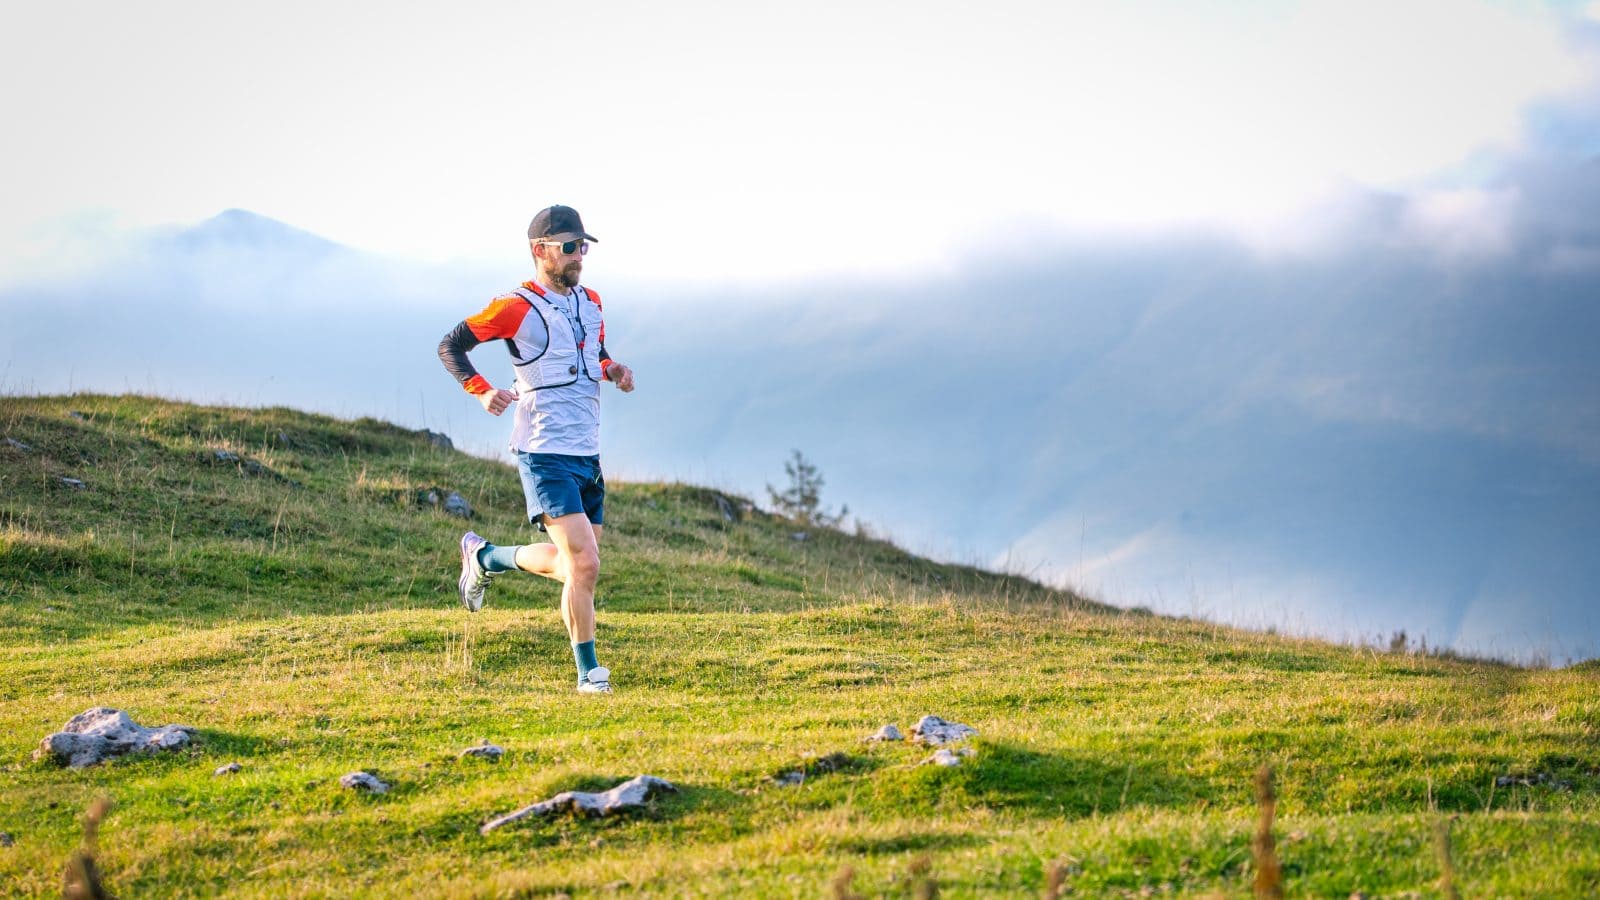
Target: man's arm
{"x": 610, "y": 369}
{"x": 500, "y": 319}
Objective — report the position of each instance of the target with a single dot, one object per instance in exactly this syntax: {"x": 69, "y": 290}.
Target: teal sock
{"x": 583, "y": 654}
{"x": 497, "y": 559}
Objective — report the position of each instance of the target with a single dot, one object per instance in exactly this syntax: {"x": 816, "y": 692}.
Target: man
{"x": 552, "y": 327}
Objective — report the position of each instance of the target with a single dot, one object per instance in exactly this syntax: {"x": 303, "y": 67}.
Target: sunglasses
{"x": 570, "y": 247}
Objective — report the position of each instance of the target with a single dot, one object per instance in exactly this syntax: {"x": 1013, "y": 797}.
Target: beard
{"x": 566, "y": 277}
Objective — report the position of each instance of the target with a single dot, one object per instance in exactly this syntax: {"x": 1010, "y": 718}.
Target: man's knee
{"x": 585, "y": 565}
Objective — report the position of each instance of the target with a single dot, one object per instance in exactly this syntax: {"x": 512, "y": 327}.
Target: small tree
{"x": 802, "y": 499}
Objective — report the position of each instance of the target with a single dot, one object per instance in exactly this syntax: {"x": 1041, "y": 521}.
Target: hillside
{"x": 282, "y": 583}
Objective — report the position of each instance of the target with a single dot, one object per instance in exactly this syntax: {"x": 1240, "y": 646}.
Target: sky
{"x": 843, "y": 138}
{"x": 1274, "y": 313}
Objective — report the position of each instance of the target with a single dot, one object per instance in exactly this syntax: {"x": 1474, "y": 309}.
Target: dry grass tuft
{"x": 1447, "y": 866}
{"x": 82, "y": 878}
{"x": 1269, "y": 874}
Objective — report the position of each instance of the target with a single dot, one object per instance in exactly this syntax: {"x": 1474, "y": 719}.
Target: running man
{"x": 552, "y": 327}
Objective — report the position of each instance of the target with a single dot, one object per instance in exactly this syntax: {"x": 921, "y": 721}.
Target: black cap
{"x": 558, "y": 220}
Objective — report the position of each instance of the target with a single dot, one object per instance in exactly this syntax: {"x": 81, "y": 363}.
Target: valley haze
{"x": 1395, "y": 432}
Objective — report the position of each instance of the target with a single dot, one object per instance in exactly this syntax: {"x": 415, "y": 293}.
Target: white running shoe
{"x": 598, "y": 681}
{"x": 474, "y": 578}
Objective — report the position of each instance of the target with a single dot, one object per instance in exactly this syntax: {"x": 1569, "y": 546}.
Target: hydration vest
{"x": 564, "y": 359}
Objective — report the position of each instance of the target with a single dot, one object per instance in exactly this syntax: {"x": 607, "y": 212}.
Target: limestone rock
{"x": 17, "y": 445}
{"x": 98, "y": 734}
{"x": 228, "y": 769}
{"x": 74, "y": 483}
{"x": 457, "y": 505}
{"x": 932, "y": 730}
{"x": 438, "y": 440}
{"x": 6, "y": 839}
{"x": 944, "y": 756}
{"x": 1542, "y": 778}
{"x": 364, "y": 781}
{"x": 889, "y": 732}
{"x": 484, "y": 750}
{"x": 630, "y": 794}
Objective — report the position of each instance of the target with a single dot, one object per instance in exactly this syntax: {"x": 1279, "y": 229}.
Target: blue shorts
{"x": 557, "y": 485}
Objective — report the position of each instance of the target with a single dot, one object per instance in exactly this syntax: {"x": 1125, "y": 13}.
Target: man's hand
{"x": 621, "y": 376}
{"x": 496, "y": 401}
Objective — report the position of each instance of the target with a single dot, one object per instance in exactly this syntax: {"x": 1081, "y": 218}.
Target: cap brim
{"x": 568, "y": 236}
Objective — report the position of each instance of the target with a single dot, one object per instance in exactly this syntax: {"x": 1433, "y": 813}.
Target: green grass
{"x": 302, "y": 615}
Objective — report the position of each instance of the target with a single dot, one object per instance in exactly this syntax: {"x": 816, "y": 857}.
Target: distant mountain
{"x": 236, "y": 229}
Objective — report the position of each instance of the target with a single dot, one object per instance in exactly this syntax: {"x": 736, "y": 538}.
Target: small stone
{"x": 799, "y": 536}
{"x": 933, "y": 731}
{"x": 6, "y": 840}
{"x": 17, "y": 445}
{"x": 484, "y": 750}
{"x": 457, "y": 505}
{"x": 74, "y": 414}
{"x": 887, "y": 733}
{"x": 73, "y": 483}
{"x": 726, "y": 508}
{"x": 944, "y": 756}
{"x": 364, "y": 781}
{"x": 438, "y": 440}
{"x": 228, "y": 769}
{"x": 225, "y": 456}
{"x": 789, "y": 779}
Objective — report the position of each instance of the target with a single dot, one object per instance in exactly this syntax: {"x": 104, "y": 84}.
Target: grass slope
{"x": 297, "y": 606}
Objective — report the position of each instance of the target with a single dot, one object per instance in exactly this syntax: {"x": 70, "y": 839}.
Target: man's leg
{"x": 545, "y": 559}
{"x": 578, "y": 557}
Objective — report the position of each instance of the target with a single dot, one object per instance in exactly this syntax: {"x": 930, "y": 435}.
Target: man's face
{"x": 558, "y": 267}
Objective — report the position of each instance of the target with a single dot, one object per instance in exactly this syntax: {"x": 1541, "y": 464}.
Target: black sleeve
{"x": 453, "y": 352}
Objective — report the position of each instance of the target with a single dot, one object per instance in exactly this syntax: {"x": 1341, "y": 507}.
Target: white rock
{"x": 889, "y": 732}
{"x": 932, "y": 730}
{"x": 457, "y": 505}
{"x": 98, "y": 734}
{"x": 944, "y": 756}
{"x": 228, "y": 769}
{"x": 484, "y": 750}
{"x": 365, "y": 781}
{"x": 630, "y": 794}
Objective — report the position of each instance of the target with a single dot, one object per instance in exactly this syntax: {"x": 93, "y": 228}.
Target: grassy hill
{"x": 293, "y": 598}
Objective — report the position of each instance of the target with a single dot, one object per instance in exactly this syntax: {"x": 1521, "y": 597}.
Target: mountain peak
{"x": 243, "y": 228}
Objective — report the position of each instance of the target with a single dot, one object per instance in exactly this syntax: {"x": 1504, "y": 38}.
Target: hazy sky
{"x": 782, "y": 140}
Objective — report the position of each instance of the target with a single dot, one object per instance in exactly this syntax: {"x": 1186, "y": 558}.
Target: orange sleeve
{"x": 500, "y": 319}
{"x": 605, "y": 358}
